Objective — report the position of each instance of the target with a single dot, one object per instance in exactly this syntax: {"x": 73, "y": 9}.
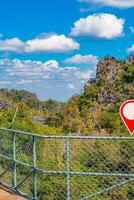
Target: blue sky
{"x": 52, "y": 47}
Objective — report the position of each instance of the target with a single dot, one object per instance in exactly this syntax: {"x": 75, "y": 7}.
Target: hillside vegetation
{"x": 93, "y": 112}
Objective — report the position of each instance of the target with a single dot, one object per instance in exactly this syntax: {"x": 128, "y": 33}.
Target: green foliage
{"x": 129, "y": 74}
{"x": 94, "y": 111}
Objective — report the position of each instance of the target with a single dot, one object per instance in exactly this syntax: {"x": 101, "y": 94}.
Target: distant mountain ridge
{"x": 94, "y": 110}
{"x": 31, "y": 100}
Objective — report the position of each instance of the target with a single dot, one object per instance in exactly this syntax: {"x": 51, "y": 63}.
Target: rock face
{"x": 106, "y": 75}
{"x": 113, "y": 78}
{"x": 4, "y": 104}
{"x": 107, "y": 70}
{"x": 130, "y": 59}
{"x": 38, "y": 119}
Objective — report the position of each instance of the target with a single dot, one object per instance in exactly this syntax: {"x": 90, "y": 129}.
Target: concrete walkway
{"x": 6, "y": 194}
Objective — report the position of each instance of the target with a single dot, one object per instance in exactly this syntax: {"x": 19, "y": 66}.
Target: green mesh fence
{"x": 67, "y": 167}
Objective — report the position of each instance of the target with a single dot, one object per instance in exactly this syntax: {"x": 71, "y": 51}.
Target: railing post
{"x": 14, "y": 161}
{"x": 34, "y": 168}
{"x": 67, "y": 170}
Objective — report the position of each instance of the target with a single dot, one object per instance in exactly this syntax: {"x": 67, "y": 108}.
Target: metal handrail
{"x": 67, "y": 172}
{"x": 67, "y": 137}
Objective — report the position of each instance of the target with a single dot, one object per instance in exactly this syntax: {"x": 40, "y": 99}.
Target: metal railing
{"x": 107, "y": 161}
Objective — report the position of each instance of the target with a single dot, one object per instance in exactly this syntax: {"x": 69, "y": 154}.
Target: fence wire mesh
{"x": 67, "y": 168}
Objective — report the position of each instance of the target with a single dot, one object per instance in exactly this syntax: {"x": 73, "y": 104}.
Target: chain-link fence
{"x": 67, "y": 167}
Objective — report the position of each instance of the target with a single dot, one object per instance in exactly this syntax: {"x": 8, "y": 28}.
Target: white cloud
{"x": 23, "y": 81}
{"x": 102, "y": 26}
{"x": 51, "y": 65}
{"x": 54, "y": 43}
{"x": 82, "y": 59}
{"x": 51, "y": 44}
{"x": 112, "y": 3}
{"x": 29, "y": 68}
{"x": 71, "y": 86}
{"x": 4, "y": 82}
{"x": 48, "y": 79}
{"x": 14, "y": 44}
{"x": 84, "y": 75}
{"x": 131, "y": 49}
{"x": 28, "y": 71}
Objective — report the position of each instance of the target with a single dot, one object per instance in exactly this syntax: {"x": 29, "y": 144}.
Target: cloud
{"x": 23, "y": 81}
{"x": 71, "y": 86}
{"x": 82, "y": 59}
{"x": 131, "y": 49}
{"x": 102, "y": 26}
{"x": 14, "y": 44}
{"x": 51, "y": 44}
{"x": 111, "y": 3}
{"x": 29, "y": 68}
{"x": 28, "y": 71}
{"x": 84, "y": 75}
{"x": 54, "y": 43}
{"x": 47, "y": 79}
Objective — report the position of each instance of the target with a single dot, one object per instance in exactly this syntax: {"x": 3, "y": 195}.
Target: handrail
{"x": 68, "y": 137}
{"x": 67, "y": 172}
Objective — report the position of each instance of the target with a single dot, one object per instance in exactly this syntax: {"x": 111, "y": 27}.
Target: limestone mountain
{"x": 94, "y": 111}
{"x": 97, "y": 107}
{"x": 115, "y": 80}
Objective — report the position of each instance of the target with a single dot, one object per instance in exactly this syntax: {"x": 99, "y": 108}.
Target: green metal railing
{"x": 68, "y": 173}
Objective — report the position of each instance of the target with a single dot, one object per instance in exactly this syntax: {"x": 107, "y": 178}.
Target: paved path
{"x": 8, "y": 195}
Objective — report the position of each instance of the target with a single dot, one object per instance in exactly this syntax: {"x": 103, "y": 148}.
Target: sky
{"x": 52, "y": 47}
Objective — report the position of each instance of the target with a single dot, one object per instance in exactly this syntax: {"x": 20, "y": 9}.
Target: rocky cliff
{"x": 96, "y": 109}
{"x": 115, "y": 79}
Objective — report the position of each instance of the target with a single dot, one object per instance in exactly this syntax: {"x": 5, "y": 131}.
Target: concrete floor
{"x": 6, "y": 194}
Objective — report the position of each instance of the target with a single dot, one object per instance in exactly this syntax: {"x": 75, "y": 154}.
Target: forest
{"x": 93, "y": 112}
